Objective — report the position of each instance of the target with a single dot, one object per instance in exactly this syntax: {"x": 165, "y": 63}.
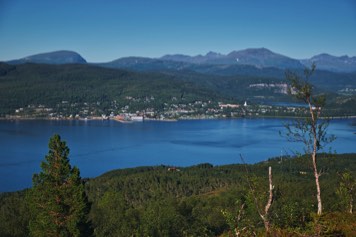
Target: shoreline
{"x": 18, "y": 118}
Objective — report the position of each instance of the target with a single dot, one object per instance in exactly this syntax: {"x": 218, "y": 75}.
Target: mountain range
{"x": 260, "y": 58}
{"x": 258, "y": 76}
{"x": 253, "y": 59}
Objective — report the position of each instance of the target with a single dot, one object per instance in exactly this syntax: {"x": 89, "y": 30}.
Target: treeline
{"x": 206, "y": 200}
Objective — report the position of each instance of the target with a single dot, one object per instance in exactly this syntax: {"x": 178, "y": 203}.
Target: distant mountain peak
{"x": 213, "y": 54}
{"x": 322, "y": 55}
{"x": 329, "y": 62}
{"x": 263, "y": 57}
{"x": 55, "y": 57}
{"x": 254, "y": 51}
{"x": 262, "y": 49}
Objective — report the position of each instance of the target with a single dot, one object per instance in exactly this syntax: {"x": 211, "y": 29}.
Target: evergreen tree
{"x": 57, "y": 199}
{"x": 347, "y": 190}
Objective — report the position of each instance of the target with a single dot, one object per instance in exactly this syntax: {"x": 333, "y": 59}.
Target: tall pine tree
{"x": 57, "y": 199}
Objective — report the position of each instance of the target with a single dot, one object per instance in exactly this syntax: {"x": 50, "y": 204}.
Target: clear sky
{"x": 105, "y": 30}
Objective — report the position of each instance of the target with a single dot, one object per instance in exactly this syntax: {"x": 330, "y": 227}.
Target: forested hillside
{"x": 49, "y": 86}
{"x": 204, "y": 200}
{"x": 27, "y": 84}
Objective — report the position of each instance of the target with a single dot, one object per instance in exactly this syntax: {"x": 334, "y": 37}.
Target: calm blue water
{"x": 100, "y": 146}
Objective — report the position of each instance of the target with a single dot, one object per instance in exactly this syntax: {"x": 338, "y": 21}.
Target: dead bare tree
{"x": 235, "y": 221}
{"x": 263, "y": 212}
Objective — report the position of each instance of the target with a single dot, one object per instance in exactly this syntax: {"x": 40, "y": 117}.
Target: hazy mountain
{"x": 209, "y": 58}
{"x": 212, "y": 62}
{"x": 327, "y": 80}
{"x": 256, "y": 62}
{"x": 260, "y": 58}
{"x": 145, "y": 64}
{"x": 175, "y": 65}
{"x": 179, "y": 58}
{"x": 263, "y": 58}
{"x": 332, "y": 63}
{"x": 57, "y": 57}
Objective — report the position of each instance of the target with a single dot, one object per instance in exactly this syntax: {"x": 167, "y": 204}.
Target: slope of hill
{"x": 26, "y": 84}
{"x": 43, "y": 84}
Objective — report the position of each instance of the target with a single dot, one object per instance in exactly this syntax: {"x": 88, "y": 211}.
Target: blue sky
{"x": 102, "y": 31}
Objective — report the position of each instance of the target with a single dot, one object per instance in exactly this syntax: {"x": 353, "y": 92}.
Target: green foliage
{"x": 333, "y": 224}
{"x": 14, "y": 214}
{"x": 114, "y": 217}
{"x": 347, "y": 190}
{"x": 152, "y": 201}
{"x": 239, "y": 220}
{"x": 194, "y": 197}
{"x": 312, "y": 127}
{"x": 299, "y": 130}
{"x": 57, "y": 200}
{"x": 48, "y": 85}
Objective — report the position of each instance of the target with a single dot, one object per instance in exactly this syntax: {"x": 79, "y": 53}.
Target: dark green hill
{"x": 158, "y": 200}
{"x": 49, "y": 85}
{"x": 27, "y": 84}
{"x": 190, "y": 201}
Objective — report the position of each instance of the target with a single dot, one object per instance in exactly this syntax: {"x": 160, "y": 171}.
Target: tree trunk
{"x": 269, "y": 202}
{"x": 316, "y": 175}
{"x": 315, "y": 167}
{"x": 351, "y": 204}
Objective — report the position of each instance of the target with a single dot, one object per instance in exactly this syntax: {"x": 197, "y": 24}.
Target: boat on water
{"x": 137, "y": 118}
{"x": 128, "y": 118}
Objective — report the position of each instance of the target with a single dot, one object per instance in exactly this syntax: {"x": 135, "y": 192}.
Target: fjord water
{"x": 100, "y": 146}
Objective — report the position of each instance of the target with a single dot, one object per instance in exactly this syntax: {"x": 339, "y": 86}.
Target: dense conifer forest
{"x": 207, "y": 200}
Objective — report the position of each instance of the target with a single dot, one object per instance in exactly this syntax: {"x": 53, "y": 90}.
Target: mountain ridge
{"x": 332, "y": 63}
{"x": 256, "y": 57}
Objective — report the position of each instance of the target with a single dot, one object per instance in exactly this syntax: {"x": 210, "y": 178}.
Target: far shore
{"x": 12, "y": 118}
{"x": 9, "y": 118}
